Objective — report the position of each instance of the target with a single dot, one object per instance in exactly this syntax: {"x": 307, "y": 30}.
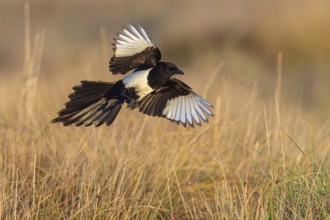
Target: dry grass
{"x": 250, "y": 161}
{"x": 258, "y": 158}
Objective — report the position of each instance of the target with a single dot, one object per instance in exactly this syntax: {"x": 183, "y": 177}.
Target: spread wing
{"x": 133, "y": 48}
{"x": 177, "y": 102}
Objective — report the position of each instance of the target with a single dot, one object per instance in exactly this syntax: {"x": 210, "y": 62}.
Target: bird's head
{"x": 169, "y": 69}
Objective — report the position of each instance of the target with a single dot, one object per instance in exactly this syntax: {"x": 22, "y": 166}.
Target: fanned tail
{"x": 89, "y": 105}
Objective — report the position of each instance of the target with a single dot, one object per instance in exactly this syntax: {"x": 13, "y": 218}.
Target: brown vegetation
{"x": 265, "y": 154}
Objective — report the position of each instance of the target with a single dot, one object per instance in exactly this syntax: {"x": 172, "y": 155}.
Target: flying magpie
{"x": 150, "y": 87}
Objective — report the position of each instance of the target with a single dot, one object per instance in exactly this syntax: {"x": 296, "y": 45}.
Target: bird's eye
{"x": 171, "y": 68}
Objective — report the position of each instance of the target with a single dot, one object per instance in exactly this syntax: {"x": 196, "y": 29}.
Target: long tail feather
{"x": 89, "y": 105}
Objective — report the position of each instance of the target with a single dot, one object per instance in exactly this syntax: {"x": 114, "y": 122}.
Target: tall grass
{"x": 256, "y": 159}
{"x": 31, "y": 69}
{"x": 235, "y": 167}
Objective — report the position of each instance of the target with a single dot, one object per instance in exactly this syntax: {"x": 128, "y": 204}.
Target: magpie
{"x": 149, "y": 87}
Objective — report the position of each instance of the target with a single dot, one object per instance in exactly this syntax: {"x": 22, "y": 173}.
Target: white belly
{"x": 138, "y": 80}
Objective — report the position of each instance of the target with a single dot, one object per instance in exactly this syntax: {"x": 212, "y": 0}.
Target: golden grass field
{"x": 265, "y": 154}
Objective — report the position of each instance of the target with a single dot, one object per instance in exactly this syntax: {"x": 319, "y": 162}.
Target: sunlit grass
{"x": 142, "y": 167}
{"x": 258, "y": 158}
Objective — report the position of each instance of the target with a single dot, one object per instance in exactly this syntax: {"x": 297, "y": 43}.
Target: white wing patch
{"x": 132, "y": 41}
{"x": 139, "y": 81}
{"x": 190, "y": 108}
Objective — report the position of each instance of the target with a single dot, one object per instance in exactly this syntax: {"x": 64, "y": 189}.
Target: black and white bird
{"x": 150, "y": 88}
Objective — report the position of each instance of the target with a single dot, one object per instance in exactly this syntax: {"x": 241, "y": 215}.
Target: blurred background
{"x": 264, "y": 64}
{"x": 245, "y": 42}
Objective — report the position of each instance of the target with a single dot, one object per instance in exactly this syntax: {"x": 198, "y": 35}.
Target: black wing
{"x": 133, "y": 48}
{"x": 177, "y": 102}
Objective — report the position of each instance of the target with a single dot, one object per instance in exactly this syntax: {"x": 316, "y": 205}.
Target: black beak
{"x": 179, "y": 72}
